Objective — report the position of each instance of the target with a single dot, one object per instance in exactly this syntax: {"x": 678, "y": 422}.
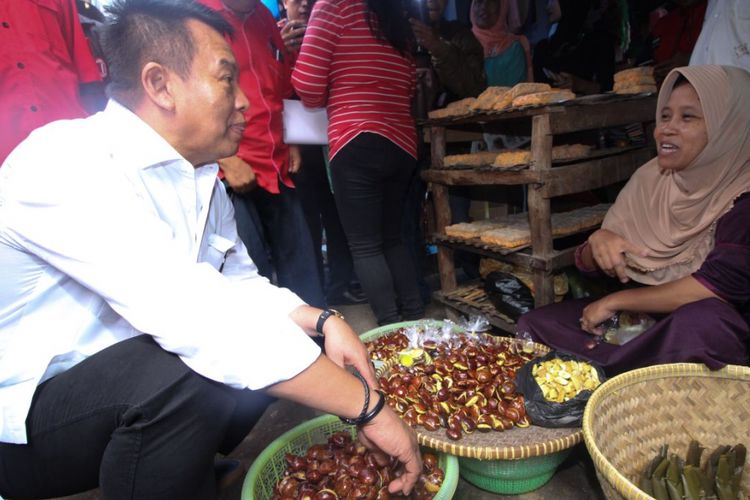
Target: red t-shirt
{"x": 365, "y": 84}
{"x": 264, "y": 77}
{"x": 678, "y": 31}
{"x": 44, "y": 57}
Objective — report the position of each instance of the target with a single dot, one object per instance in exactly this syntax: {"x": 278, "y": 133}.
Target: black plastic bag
{"x": 508, "y": 294}
{"x": 546, "y": 413}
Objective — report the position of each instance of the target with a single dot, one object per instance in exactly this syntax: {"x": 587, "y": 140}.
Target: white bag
{"x": 304, "y": 125}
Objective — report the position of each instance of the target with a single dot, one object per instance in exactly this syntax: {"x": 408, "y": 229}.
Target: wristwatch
{"x": 327, "y": 313}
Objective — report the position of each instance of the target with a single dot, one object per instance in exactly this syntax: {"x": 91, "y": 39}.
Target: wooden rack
{"x": 544, "y": 180}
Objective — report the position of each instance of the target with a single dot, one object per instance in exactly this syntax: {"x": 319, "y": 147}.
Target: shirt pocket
{"x": 217, "y": 251}
{"x": 48, "y": 30}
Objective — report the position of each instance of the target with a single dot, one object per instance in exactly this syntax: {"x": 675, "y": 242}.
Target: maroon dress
{"x": 711, "y": 331}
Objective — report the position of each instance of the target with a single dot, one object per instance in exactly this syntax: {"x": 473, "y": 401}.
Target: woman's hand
{"x": 608, "y": 251}
{"x": 388, "y": 434}
{"x": 292, "y": 34}
{"x": 426, "y": 36}
{"x": 595, "y": 314}
{"x": 344, "y": 348}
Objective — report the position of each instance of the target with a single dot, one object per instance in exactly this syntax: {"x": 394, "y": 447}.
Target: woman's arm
{"x": 310, "y": 77}
{"x": 651, "y": 299}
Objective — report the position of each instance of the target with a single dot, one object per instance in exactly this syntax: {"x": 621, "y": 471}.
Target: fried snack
{"x": 509, "y": 159}
{"x": 637, "y": 89}
{"x": 634, "y": 73}
{"x": 473, "y": 159}
{"x": 570, "y": 151}
{"x": 456, "y": 108}
{"x": 578, "y": 219}
{"x": 518, "y": 90}
{"x": 468, "y": 230}
{"x": 635, "y": 80}
{"x": 488, "y": 98}
{"x": 507, "y": 237}
{"x": 541, "y": 98}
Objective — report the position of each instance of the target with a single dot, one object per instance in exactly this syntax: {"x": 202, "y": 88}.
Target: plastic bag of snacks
{"x": 625, "y": 326}
{"x": 556, "y": 388}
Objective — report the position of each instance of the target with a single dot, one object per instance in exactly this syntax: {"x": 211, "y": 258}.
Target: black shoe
{"x": 347, "y": 298}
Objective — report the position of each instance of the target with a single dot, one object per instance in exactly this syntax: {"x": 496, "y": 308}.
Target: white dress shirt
{"x": 106, "y": 233}
{"x": 725, "y": 36}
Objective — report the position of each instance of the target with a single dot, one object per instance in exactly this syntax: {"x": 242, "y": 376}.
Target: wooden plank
{"x": 437, "y": 146}
{"x": 593, "y": 174}
{"x": 466, "y": 177}
{"x": 446, "y": 266}
{"x": 462, "y": 307}
{"x": 604, "y": 114}
{"x": 455, "y": 136}
{"x": 558, "y": 260}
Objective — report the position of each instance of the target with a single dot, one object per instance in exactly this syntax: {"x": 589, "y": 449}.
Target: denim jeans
{"x": 370, "y": 180}
{"x": 132, "y": 419}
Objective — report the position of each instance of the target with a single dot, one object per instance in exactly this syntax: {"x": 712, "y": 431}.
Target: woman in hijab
{"x": 507, "y": 57}
{"x": 680, "y": 228}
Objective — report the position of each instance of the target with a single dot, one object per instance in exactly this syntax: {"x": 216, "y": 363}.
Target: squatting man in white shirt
{"x": 136, "y": 338}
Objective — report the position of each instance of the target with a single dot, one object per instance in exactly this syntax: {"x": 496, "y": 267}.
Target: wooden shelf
{"x": 546, "y": 179}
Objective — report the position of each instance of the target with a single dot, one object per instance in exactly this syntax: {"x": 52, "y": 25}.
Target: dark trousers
{"x": 275, "y": 224}
{"x": 132, "y": 419}
{"x": 370, "y": 180}
{"x": 320, "y": 211}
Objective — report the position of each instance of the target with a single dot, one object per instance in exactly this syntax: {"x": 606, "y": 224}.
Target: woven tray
{"x": 513, "y": 444}
{"x": 630, "y": 416}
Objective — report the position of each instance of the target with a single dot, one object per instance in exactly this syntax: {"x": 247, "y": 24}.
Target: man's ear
{"x": 155, "y": 79}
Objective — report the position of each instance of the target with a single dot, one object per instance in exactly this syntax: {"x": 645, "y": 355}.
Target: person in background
{"x": 269, "y": 213}
{"x": 455, "y": 56}
{"x": 680, "y": 229}
{"x": 674, "y": 35}
{"x": 725, "y": 35}
{"x": 314, "y": 189}
{"x": 48, "y": 70}
{"x": 580, "y": 55}
{"x": 357, "y": 60}
{"x": 539, "y": 17}
{"x": 137, "y": 337}
{"x": 507, "y": 57}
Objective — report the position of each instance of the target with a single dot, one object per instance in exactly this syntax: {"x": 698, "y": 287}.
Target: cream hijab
{"x": 674, "y": 214}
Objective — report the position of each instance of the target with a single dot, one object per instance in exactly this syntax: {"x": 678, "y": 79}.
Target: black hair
{"x": 681, "y": 80}
{"x": 142, "y": 31}
{"x": 388, "y": 21}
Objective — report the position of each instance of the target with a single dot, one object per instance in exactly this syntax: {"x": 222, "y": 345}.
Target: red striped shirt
{"x": 366, "y": 84}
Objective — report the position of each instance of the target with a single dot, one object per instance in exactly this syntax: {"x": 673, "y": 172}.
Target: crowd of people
{"x": 163, "y": 277}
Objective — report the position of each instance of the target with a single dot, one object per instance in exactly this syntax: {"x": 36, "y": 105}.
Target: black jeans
{"x": 370, "y": 180}
{"x": 132, "y": 419}
{"x": 276, "y": 223}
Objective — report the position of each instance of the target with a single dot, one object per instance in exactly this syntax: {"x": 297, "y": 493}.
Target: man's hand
{"x": 345, "y": 348}
{"x": 295, "y": 159}
{"x": 238, "y": 174}
{"x": 388, "y": 434}
{"x": 426, "y": 36}
{"x": 292, "y": 34}
{"x": 608, "y": 251}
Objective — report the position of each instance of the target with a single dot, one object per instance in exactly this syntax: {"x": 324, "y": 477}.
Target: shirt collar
{"x": 144, "y": 147}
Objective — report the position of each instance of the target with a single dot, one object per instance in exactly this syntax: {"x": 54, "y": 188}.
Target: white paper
{"x": 304, "y": 125}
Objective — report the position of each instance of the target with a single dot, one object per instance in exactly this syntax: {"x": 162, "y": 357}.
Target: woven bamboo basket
{"x": 514, "y": 461}
{"x": 631, "y": 415}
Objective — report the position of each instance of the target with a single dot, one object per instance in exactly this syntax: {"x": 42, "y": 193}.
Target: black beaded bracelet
{"x": 374, "y": 412}
{"x": 363, "y": 413}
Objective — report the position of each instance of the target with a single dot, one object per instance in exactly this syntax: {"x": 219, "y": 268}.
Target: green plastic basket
{"x": 511, "y": 477}
{"x": 269, "y": 467}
